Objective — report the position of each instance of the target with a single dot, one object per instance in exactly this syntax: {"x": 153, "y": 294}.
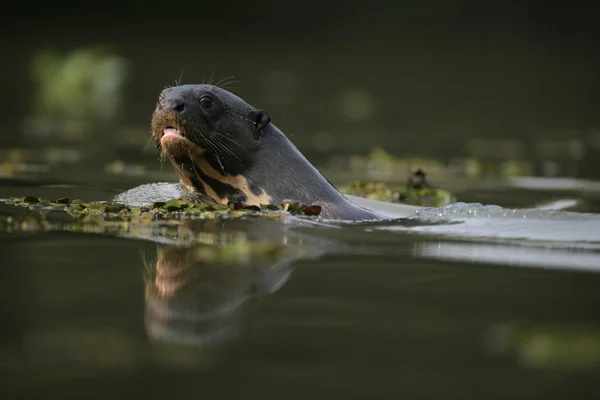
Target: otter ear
{"x": 261, "y": 119}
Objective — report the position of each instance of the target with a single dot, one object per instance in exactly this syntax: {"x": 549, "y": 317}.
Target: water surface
{"x": 402, "y": 308}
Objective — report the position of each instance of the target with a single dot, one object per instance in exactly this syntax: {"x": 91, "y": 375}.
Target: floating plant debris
{"x": 175, "y": 208}
{"x": 119, "y": 217}
{"x": 311, "y": 210}
{"x": 426, "y": 197}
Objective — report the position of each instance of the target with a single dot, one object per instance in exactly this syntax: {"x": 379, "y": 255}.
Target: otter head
{"x": 210, "y": 135}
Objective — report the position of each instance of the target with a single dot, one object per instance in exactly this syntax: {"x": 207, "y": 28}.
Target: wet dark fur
{"x": 239, "y": 142}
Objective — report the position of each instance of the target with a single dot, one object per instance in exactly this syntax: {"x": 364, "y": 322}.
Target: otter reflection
{"x": 200, "y": 295}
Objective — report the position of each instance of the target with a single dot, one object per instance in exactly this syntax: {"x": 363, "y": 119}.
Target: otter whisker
{"x": 224, "y": 147}
{"x": 148, "y": 144}
{"x": 214, "y": 147}
{"x": 232, "y": 141}
{"x": 178, "y": 81}
{"x": 227, "y": 85}
{"x": 220, "y": 164}
{"x": 226, "y": 81}
{"x": 242, "y": 117}
{"x": 211, "y": 78}
{"x": 217, "y": 84}
{"x": 193, "y": 163}
{"x": 238, "y": 123}
{"x": 209, "y": 144}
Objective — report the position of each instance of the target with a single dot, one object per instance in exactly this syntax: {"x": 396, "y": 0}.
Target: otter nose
{"x": 177, "y": 105}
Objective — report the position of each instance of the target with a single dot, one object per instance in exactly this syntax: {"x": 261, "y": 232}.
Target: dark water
{"x": 343, "y": 313}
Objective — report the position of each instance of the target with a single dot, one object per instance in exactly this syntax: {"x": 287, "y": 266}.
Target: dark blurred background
{"x": 502, "y": 80}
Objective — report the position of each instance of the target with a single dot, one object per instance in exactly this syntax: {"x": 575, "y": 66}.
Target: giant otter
{"x": 225, "y": 150}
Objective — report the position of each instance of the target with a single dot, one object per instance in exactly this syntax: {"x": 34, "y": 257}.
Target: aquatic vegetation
{"x": 160, "y": 219}
{"x": 417, "y": 190}
{"x": 84, "y": 83}
{"x": 380, "y": 165}
{"x": 174, "y": 208}
{"x": 427, "y": 197}
{"x": 76, "y": 91}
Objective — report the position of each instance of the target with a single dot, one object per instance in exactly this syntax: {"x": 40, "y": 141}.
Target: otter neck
{"x": 274, "y": 171}
{"x": 283, "y": 172}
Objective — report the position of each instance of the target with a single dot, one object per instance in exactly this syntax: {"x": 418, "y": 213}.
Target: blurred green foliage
{"x": 83, "y": 84}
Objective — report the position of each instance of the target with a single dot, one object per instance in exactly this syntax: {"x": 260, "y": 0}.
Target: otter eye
{"x": 206, "y": 101}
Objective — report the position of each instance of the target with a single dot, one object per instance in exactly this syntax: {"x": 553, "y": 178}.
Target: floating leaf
{"x": 199, "y": 208}
{"x": 93, "y": 219}
{"x": 311, "y": 210}
{"x": 235, "y": 206}
{"x": 115, "y": 208}
{"x": 175, "y": 205}
{"x": 31, "y": 199}
{"x": 291, "y": 206}
{"x": 76, "y": 207}
{"x": 95, "y": 206}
